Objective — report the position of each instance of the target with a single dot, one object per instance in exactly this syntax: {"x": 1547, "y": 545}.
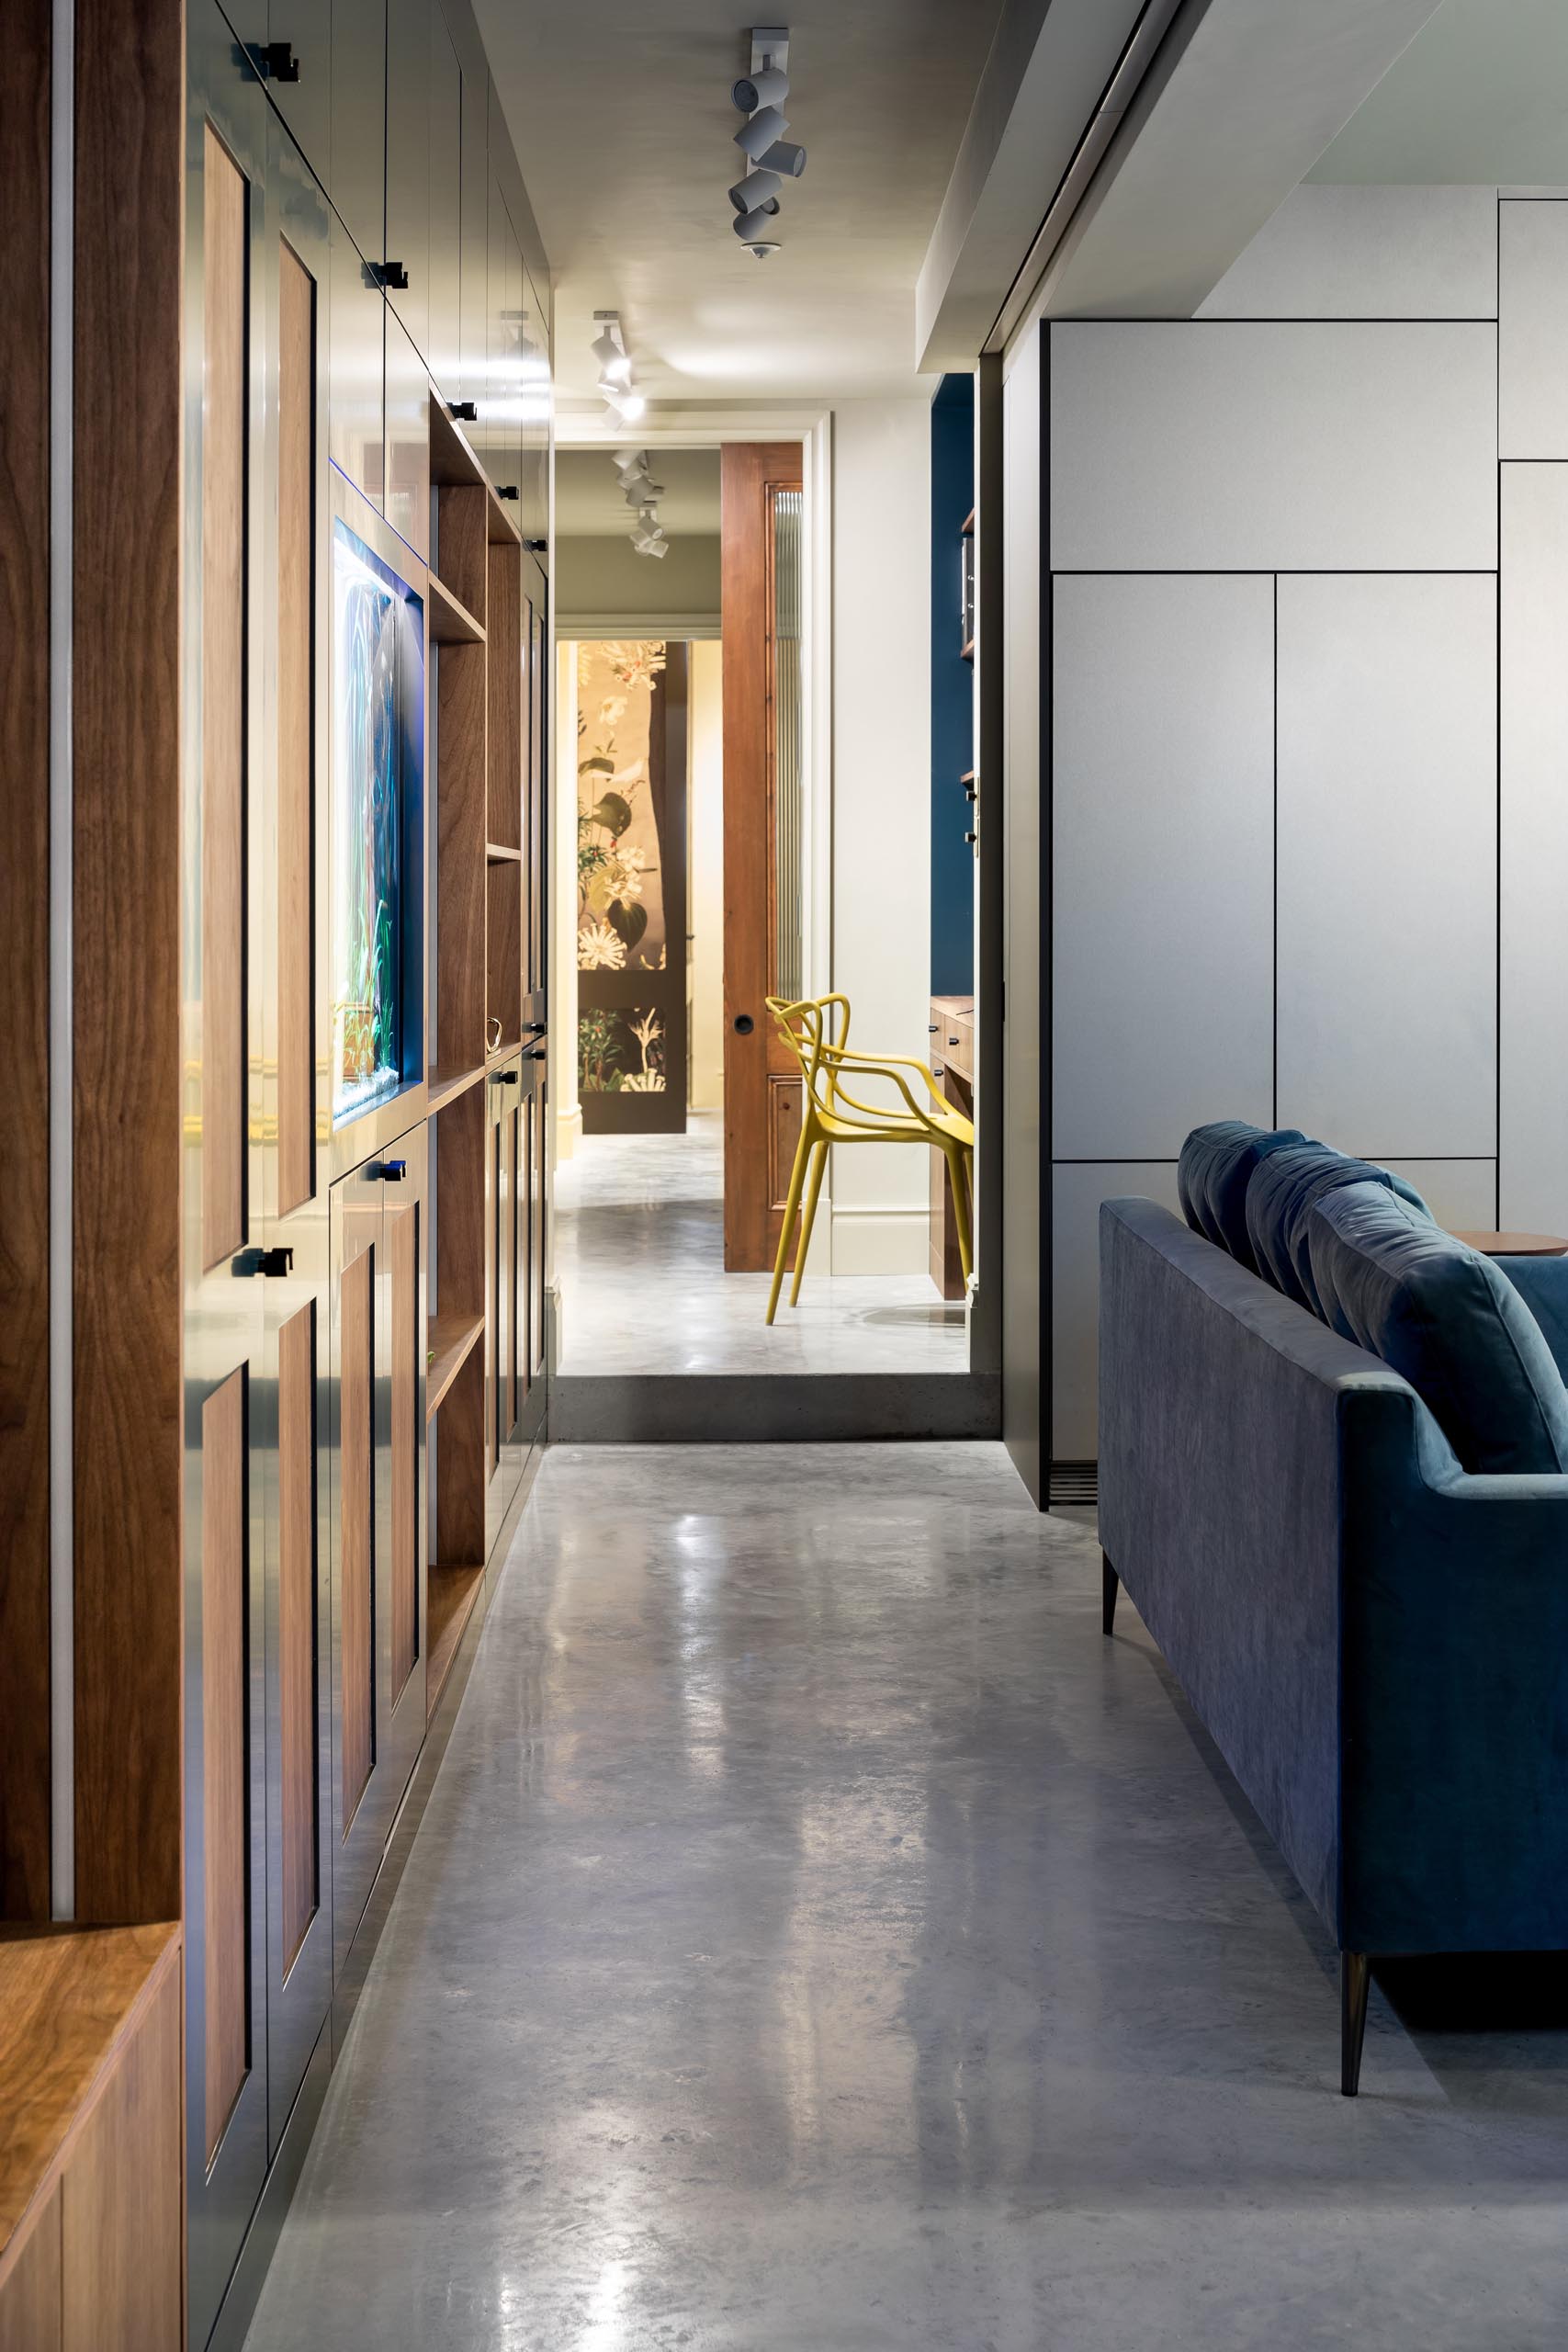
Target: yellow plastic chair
{"x": 817, "y": 1031}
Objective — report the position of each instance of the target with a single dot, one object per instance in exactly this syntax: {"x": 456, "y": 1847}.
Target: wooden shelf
{"x": 448, "y": 1340}
{"x": 966, "y": 652}
{"x": 452, "y": 1593}
{"x": 69, "y": 1996}
{"x": 966, "y": 528}
{"x": 452, "y": 457}
{"x": 442, "y": 1091}
{"x": 504, "y": 531}
{"x": 450, "y": 622}
{"x": 497, "y": 855}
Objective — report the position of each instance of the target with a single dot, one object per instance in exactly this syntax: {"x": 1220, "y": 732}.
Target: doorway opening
{"x": 701, "y": 810}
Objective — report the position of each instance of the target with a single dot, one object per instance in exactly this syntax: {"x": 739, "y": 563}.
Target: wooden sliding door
{"x": 763, "y": 838}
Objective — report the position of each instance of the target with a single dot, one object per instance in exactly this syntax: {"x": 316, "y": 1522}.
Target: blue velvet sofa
{"x": 1375, "y": 1636}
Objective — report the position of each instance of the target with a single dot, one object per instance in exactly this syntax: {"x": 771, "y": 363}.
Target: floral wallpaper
{"x": 620, "y": 1050}
{"x": 620, "y": 903}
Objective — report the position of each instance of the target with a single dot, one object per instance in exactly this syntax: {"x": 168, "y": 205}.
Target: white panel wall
{"x": 1533, "y": 1095}
{"x": 1461, "y": 1193}
{"x": 1367, "y": 252}
{"x": 882, "y": 799}
{"x": 1273, "y": 446}
{"x": 1533, "y": 336}
{"x": 1162, "y": 861}
{"x": 1387, "y": 862}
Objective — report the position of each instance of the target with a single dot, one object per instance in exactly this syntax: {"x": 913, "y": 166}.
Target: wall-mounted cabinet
{"x": 363, "y": 1274}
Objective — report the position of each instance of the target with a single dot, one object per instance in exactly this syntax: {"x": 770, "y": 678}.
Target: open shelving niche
{"x": 475, "y": 753}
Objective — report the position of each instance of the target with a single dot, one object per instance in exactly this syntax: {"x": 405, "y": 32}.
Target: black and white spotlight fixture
{"x": 616, "y": 386}
{"x": 761, "y": 95}
{"x": 642, "y": 495}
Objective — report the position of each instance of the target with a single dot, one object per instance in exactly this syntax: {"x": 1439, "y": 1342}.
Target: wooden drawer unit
{"x": 90, "y": 2254}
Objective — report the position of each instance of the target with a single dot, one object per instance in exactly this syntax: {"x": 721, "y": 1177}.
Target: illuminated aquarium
{"x": 377, "y": 796}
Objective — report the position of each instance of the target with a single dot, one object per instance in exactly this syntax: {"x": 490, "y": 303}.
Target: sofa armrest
{"x": 1455, "y": 1832}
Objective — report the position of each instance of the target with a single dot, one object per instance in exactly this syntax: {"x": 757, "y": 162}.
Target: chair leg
{"x": 796, "y": 1178}
{"x": 1355, "y": 1979}
{"x": 954, "y": 1158}
{"x": 818, "y": 1162}
{"x": 1109, "y": 1585}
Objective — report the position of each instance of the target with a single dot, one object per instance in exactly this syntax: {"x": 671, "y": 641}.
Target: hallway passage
{"x": 819, "y": 1939}
{"x": 640, "y": 1253}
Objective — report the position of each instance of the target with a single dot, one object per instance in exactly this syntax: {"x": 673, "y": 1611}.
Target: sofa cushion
{"x": 1212, "y": 1175}
{"x": 1282, "y": 1190}
{"x": 1446, "y": 1319}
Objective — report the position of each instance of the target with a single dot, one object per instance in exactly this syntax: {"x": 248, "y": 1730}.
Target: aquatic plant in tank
{"x": 374, "y": 844}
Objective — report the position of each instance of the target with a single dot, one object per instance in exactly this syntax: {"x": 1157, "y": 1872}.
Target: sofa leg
{"x": 1109, "y": 1583}
{"x": 1355, "y": 1979}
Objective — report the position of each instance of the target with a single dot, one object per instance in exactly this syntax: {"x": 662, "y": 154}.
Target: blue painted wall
{"x": 952, "y": 709}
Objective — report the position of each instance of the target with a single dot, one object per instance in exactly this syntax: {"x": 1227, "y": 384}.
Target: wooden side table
{"x": 1516, "y": 1244}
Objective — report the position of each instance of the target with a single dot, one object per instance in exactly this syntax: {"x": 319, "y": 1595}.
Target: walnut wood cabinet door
{"x": 379, "y": 1293}
{"x": 291, "y": 940}
{"x": 228, "y": 1402}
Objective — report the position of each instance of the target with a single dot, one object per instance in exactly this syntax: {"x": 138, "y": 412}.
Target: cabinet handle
{"x": 932, "y": 1027}
{"x": 278, "y": 62}
{"x": 506, "y": 1077}
{"x": 389, "y": 1172}
{"x": 391, "y": 277}
{"x": 463, "y": 411}
{"x": 535, "y": 1053}
{"x": 506, "y": 490}
{"x": 953, "y": 1041}
{"x": 265, "y": 1261}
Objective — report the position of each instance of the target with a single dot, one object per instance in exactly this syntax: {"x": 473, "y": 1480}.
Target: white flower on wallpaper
{"x": 599, "y": 949}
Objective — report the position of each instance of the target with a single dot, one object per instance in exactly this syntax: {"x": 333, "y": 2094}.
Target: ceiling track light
{"x": 759, "y": 95}
{"x": 642, "y": 493}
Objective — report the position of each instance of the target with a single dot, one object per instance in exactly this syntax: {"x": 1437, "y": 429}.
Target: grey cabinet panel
{"x": 1461, "y": 1193}
{"x": 407, "y": 507}
{"x": 1022, "y": 1144}
{"x": 500, "y": 408}
{"x": 1532, "y": 338}
{"x": 443, "y": 345}
{"x": 1075, "y": 1195}
{"x": 1268, "y": 446}
{"x": 358, "y": 182}
{"x": 306, "y": 105}
{"x": 408, "y": 161}
{"x": 1387, "y": 862}
{"x": 355, "y": 420}
{"x": 534, "y": 365}
{"x": 1533, "y": 738}
{"x": 1162, "y": 860}
{"x": 474, "y": 291}
{"x": 1367, "y": 252}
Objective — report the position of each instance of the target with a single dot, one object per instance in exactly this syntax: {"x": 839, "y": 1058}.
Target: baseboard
{"x": 888, "y": 1240}
{"x": 771, "y": 1409}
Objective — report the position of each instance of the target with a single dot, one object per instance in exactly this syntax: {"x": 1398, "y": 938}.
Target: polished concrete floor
{"x": 820, "y": 1939}
{"x": 639, "y": 1257}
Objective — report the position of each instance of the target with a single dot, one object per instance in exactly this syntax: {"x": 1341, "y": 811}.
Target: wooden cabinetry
{"x": 90, "y": 2200}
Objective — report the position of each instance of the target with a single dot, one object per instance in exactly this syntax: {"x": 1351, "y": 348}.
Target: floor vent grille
{"x": 1074, "y": 1482}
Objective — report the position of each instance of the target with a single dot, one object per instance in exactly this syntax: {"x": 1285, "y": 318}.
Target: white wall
{"x": 881, "y": 852}
{"x": 706, "y": 877}
{"x": 604, "y": 588}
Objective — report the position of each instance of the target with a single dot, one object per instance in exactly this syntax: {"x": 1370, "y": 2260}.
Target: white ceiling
{"x": 590, "y": 502}
{"x": 1479, "y": 98}
{"x": 622, "y": 118}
